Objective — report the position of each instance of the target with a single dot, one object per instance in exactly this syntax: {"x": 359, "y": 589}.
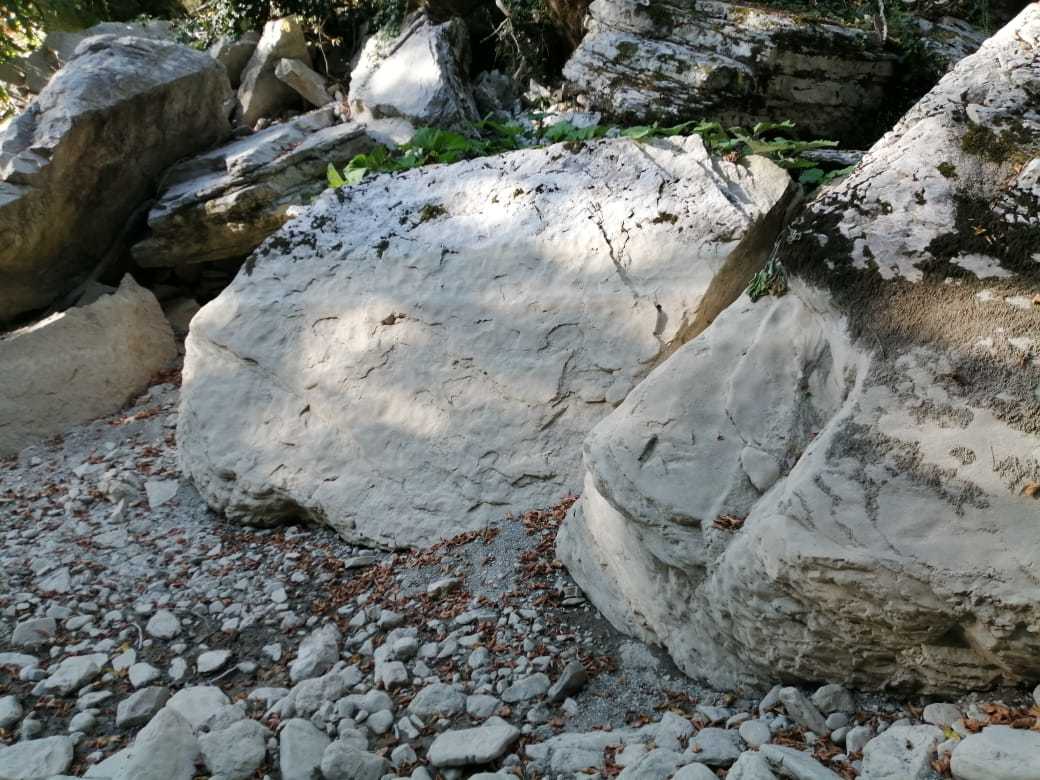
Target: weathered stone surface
{"x": 66, "y": 191}
{"x": 998, "y": 753}
{"x": 262, "y": 93}
{"x": 234, "y": 54}
{"x": 472, "y": 747}
{"x": 680, "y": 61}
{"x": 33, "y": 71}
{"x": 80, "y": 364}
{"x": 36, "y": 758}
{"x": 419, "y": 354}
{"x": 308, "y": 83}
{"x": 223, "y": 203}
{"x": 889, "y": 385}
{"x": 901, "y": 753}
{"x": 418, "y": 75}
{"x": 165, "y": 749}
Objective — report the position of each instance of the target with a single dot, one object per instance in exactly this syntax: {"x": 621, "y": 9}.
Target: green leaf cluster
{"x": 432, "y": 145}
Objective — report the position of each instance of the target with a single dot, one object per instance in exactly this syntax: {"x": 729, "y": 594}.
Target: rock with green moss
{"x": 840, "y": 483}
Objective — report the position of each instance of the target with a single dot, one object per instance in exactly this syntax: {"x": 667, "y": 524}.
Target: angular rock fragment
{"x": 262, "y": 93}
{"x": 419, "y": 75}
{"x": 223, "y": 203}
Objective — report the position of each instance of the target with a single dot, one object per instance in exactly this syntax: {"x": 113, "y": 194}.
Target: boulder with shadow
{"x": 841, "y": 482}
{"x": 421, "y": 354}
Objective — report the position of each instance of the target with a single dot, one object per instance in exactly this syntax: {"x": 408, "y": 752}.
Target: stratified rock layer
{"x": 877, "y": 427}
{"x": 672, "y": 61}
{"x": 223, "y": 203}
{"x": 421, "y": 354}
{"x": 89, "y": 150}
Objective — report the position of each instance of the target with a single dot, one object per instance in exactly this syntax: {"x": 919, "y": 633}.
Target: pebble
{"x": 470, "y": 747}
{"x": 212, "y": 661}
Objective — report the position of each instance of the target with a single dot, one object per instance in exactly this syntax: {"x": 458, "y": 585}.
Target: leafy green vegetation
{"x": 771, "y": 280}
{"x": 432, "y": 145}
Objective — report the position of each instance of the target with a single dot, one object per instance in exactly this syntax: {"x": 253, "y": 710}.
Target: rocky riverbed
{"x": 146, "y": 638}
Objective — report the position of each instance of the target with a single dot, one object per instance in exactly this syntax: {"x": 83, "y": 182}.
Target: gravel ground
{"x": 296, "y": 645}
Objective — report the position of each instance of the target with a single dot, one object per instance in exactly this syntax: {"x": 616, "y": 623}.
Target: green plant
{"x": 431, "y": 145}
{"x": 771, "y": 280}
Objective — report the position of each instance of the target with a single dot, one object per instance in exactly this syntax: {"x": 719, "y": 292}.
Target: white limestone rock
{"x": 997, "y": 753}
{"x": 415, "y": 356}
{"x": 309, "y": 84}
{"x": 892, "y": 550}
{"x": 418, "y": 75}
{"x": 80, "y": 364}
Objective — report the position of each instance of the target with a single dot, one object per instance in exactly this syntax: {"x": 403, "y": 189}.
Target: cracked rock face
{"x": 418, "y": 355}
{"x": 66, "y": 190}
{"x": 678, "y": 61}
{"x": 889, "y": 402}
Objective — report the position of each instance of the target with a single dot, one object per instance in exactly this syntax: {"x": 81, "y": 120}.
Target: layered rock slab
{"x": 835, "y": 484}
{"x": 225, "y": 202}
{"x": 80, "y": 364}
{"x": 89, "y": 150}
{"x": 421, "y": 354}
{"x": 675, "y": 61}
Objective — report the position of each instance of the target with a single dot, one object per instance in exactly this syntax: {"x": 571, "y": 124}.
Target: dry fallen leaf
{"x": 1031, "y": 490}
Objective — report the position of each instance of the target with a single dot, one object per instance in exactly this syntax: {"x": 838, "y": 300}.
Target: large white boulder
{"x": 423, "y": 353}
{"x": 877, "y": 426}
{"x": 418, "y": 75}
{"x": 66, "y": 188}
{"x": 80, "y": 364}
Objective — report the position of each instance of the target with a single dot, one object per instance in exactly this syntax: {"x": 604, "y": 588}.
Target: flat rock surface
{"x": 416, "y": 355}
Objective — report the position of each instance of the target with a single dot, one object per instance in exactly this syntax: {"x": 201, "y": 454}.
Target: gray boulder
{"x": 234, "y": 54}
{"x": 32, "y": 72}
{"x": 656, "y": 60}
{"x": 890, "y": 388}
{"x": 234, "y": 753}
{"x": 901, "y": 753}
{"x": 34, "y": 759}
{"x": 165, "y": 749}
{"x": 262, "y": 93}
{"x": 80, "y": 364}
{"x": 301, "y": 747}
{"x": 997, "y": 753}
{"x": 66, "y": 191}
{"x": 419, "y": 75}
{"x": 481, "y": 318}
{"x": 472, "y": 747}
{"x": 225, "y": 202}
